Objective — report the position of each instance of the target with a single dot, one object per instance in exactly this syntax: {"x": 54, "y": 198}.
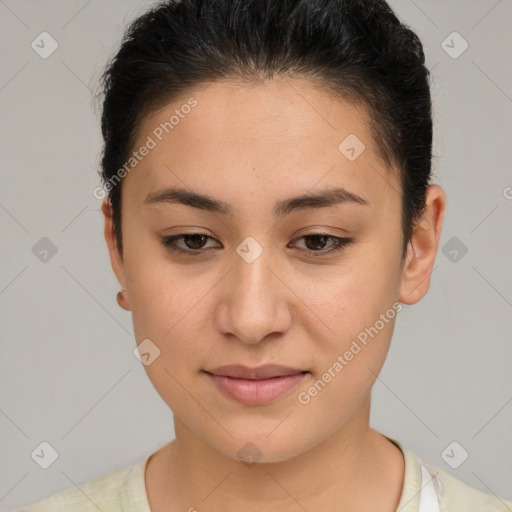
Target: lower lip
{"x": 256, "y": 392}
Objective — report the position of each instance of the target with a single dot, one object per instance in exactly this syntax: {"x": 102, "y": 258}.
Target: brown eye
{"x": 193, "y": 243}
{"x": 316, "y": 243}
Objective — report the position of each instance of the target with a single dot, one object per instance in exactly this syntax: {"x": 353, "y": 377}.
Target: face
{"x": 259, "y": 279}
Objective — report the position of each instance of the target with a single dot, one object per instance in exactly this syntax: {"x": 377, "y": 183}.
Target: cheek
{"x": 350, "y": 298}
{"x": 161, "y": 292}
{"x": 171, "y": 306}
{"x": 166, "y": 309}
{"x": 362, "y": 315}
{"x": 359, "y": 308}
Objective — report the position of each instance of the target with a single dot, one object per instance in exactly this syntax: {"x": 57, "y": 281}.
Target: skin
{"x": 251, "y": 145}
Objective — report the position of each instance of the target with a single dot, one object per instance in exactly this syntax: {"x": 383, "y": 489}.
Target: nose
{"x": 254, "y": 301}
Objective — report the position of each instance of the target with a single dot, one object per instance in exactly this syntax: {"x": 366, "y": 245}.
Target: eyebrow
{"x": 323, "y": 199}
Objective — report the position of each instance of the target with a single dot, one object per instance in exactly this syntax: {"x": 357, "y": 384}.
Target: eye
{"x": 315, "y": 242}
{"x": 195, "y": 243}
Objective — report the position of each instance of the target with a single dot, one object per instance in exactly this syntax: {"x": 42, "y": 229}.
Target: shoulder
{"x": 429, "y": 488}
{"x": 107, "y": 492}
{"x": 455, "y": 495}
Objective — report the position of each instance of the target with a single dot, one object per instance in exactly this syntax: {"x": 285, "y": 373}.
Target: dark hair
{"x": 357, "y": 50}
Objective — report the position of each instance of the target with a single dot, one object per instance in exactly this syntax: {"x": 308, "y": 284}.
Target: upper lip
{"x": 267, "y": 371}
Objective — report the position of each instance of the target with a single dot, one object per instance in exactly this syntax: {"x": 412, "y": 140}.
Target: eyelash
{"x": 169, "y": 242}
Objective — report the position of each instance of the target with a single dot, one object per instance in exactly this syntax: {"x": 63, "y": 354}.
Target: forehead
{"x": 270, "y": 135}
{"x": 292, "y": 109}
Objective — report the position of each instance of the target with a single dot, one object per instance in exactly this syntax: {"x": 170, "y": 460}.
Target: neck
{"x": 354, "y": 469}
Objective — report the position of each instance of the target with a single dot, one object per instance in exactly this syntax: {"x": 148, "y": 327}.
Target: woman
{"x": 269, "y": 211}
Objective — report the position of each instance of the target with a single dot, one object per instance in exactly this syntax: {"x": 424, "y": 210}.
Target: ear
{"x": 116, "y": 259}
{"x": 422, "y": 248}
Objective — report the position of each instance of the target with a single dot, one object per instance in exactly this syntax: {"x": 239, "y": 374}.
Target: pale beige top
{"x": 124, "y": 490}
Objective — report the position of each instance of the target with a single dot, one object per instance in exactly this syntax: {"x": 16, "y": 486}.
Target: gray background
{"x": 68, "y": 373}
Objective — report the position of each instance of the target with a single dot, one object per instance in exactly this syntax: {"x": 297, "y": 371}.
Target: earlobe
{"x": 121, "y": 298}
{"x": 422, "y": 248}
{"x": 116, "y": 259}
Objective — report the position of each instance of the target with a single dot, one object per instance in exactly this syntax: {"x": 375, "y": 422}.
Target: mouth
{"x": 255, "y": 386}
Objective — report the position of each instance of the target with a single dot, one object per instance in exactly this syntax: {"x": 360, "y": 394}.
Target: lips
{"x": 255, "y": 386}
{"x": 267, "y": 371}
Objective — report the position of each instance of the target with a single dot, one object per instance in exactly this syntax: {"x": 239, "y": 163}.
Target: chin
{"x": 261, "y": 447}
